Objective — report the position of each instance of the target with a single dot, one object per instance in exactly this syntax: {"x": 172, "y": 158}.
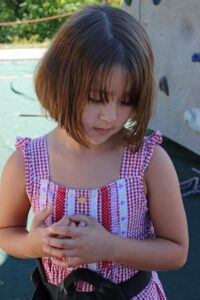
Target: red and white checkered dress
{"x": 120, "y": 206}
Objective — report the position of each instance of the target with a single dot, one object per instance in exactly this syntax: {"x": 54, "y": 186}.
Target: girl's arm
{"x": 168, "y": 250}
{"x": 15, "y": 206}
{"x": 170, "y": 247}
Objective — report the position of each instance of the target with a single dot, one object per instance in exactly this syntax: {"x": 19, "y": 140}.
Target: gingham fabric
{"x": 120, "y": 206}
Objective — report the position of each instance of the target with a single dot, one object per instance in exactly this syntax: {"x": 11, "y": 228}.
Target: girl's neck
{"x": 61, "y": 137}
{"x": 73, "y": 165}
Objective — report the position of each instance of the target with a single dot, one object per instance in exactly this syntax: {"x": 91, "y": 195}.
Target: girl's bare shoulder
{"x": 160, "y": 159}
{"x": 15, "y": 166}
{"x": 13, "y": 198}
{"x": 160, "y": 171}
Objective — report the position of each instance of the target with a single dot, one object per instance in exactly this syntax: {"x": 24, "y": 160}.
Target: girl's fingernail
{"x": 82, "y": 224}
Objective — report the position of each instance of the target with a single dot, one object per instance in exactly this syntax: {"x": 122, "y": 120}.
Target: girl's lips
{"x": 102, "y": 131}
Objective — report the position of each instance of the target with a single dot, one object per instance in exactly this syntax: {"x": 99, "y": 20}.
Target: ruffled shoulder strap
{"x": 150, "y": 141}
{"x": 23, "y": 143}
{"x": 135, "y": 163}
{"x": 36, "y": 160}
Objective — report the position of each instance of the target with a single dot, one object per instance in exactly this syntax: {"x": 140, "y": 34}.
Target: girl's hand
{"x": 38, "y": 231}
{"x": 88, "y": 242}
{"x": 65, "y": 221}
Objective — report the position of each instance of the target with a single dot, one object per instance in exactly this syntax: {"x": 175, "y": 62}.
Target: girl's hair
{"x": 82, "y": 54}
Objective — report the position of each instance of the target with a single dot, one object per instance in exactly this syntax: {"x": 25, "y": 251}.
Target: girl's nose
{"x": 109, "y": 112}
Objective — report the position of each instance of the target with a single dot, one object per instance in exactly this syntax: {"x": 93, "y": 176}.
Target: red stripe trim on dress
{"x": 60, "y": 203}
{"x": 106, "y": 216}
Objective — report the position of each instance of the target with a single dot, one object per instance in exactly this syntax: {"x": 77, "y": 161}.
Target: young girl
{"x": 107, "y": 204}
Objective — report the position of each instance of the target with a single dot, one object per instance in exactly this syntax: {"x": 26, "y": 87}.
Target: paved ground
{"x": 184, "y": 283}
{"x": 21, "y": 54}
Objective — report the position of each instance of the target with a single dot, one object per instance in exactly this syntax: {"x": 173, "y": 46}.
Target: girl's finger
{"x": 82, "y": 218}
{"x": 59, "y": 242}
{"x": 55, "y": 252}
{"x": 82, "y": 224}
{"x": 65, "y": 221}
{"x": 41, "y": 217}
{"x": 69, "y": 231}
{"x": 52, "y": 251}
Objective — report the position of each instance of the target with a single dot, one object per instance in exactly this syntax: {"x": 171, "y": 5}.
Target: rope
{"x": 35, "y": 20}
{"x": 40, "y": 19}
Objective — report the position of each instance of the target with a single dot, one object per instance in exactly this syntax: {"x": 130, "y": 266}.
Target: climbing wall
{"x": 174, "y": 30}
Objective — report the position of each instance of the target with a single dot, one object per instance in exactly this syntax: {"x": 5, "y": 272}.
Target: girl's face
{"x": 101, "y": 119}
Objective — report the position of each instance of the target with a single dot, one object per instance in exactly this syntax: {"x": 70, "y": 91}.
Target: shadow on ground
{"x": 15, "y": 279}
{"x": 184, "y": 283}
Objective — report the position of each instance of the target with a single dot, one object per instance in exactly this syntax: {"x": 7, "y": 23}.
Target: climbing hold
{"x": 163, "y": 85}
{"x": 156, "y": 2}
{"x": 196, "y": 57}
{"x": 128, "y": 2}
{"x": 192, "y": 118}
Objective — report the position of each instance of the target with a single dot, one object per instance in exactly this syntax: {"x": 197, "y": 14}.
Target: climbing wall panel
{"x": 174, "y": 30}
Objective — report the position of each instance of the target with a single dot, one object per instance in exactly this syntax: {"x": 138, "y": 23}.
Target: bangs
{"x": 99, "y": 74}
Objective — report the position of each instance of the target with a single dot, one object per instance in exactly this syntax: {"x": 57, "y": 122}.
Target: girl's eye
{"x": 93, "y": 100}
{"x": 127, "y": 103}
{"x": 99, "y": 101}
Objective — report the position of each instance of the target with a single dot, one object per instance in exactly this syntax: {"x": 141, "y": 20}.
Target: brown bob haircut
{"x": 85, "y": 49}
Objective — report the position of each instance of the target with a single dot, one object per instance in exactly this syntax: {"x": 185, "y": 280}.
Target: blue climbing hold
{"x": 156, "y": 2}
{"x": 196, "y": 57}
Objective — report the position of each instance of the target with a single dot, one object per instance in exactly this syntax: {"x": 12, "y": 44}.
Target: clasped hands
{"x": 76, "y": 240}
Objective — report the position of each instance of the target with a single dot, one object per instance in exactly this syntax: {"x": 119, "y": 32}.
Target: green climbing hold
{"x": 128, "y": 2}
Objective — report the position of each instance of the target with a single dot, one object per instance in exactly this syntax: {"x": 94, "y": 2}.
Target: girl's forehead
{"x": 116, "y": 80}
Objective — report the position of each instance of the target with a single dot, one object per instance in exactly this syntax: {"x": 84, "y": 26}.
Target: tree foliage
{"x": 15, "y": 10}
